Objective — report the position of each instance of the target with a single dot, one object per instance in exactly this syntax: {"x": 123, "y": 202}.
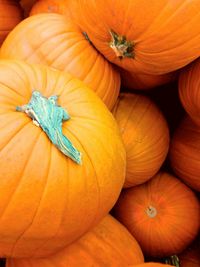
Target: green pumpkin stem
{"x": 172, "y": 260}
{"x": 121, "y": 46}
{"x": 46, "y": 114}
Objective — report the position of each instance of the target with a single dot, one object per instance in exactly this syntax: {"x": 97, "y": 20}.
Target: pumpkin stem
{"x": 172, "y": 260}
{"x": 46, "y": 114}
{"x": 151, "y": 212}
{"x": 121, "y": 46}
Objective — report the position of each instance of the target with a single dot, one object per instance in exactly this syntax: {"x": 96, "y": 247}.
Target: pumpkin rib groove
{"x": 191, "y": 39}
{"x": 16, "y": 133}
{"x": 19, "y": 179}
{"x": 95, "y": 174}
{"x": 39, "y": 202}
{"x": 34, "y": 50}
{"x": 147, "y": 28}
{"x": 52, "y": 237}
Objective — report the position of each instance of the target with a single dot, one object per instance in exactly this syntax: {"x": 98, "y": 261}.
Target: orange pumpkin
{"x": 152, "y": 37}
{"x": 47, "y": 200}
{"x": 143, "y": 81}
{"x": 162, "y": 214}
{"x": 184, "y": 153}
{"x": 50, "y": 6}
{"x": 145, "y": 134}
{"x": 189, "y": 90}
{"x": 10, "y": 15}
{"x": 61, "y": 45}
{"x": 108, "y": 244}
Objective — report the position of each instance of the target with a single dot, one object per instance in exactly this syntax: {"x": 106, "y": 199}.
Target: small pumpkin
{"x": 189, "y": 90}
{"x": 50, "y": 6}
{"x": 162, "y": 214}
{"x": 153, "y": 37}
{"x": 47, "y": 199}
{"x": 145, "y": 134}
{"x": 142, "y": 81}
{"x": 184, "y": 152}
{"x": 10, "y": 15}
{"x": 60, "y": 44}
{"x": 108, "y": 244}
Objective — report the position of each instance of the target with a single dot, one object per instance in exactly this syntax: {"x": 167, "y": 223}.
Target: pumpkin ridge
{"x": 19, "y": 179}
{"x": 39, "y": 202}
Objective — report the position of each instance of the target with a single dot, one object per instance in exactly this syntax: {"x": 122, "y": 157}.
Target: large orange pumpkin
{"x": 47, "y": 200}
{"x": 145, "y": 134}
{"x": 10, "y": 15}
{"x": 108, "y": 244}
{"x": 50, "y": 6}
{"x": 189, "y": 90}
{"x": 184, "y": 153}
{"x": 152, "y": 37}
{"x": 61, "y": 45}
{"x": 162, "y": 214}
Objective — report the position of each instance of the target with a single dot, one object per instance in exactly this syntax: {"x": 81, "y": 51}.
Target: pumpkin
{"x": 162, "y": 214}
{"x": 153, "y": 37}
{"x": 108, "y": 244}
{"x": 142, "y": 81}
{"x": 61, "y": 45}
{"x": 50, "y": 6}
{"x": 184, "y": 153}
{"x": 10, "y": 15}
{"x": 189, "y": 90}
{"x": 145, "y": 134}
{"x": 48, "y": 197}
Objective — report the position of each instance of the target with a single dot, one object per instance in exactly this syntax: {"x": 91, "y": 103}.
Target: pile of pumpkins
{"x": 99, "y": 133}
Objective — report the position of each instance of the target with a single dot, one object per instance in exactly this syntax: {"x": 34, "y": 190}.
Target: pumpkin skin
{"x": 189, "y": 90}
{"x": 26, "y": 6}
{"x": 54, "y": 199}
{"x": 50, "y": 6}
{"x": 61, "y": 45}
{"x": 145, "y": 134}
{"x": 148, "y": 264}
{"x": 184, "y": 153}
{"x": 162, "y": 36}
{"x": 114, "y": 244}
{"x": 140, "y": 81}
{"x": 10, "y": 15}
{"x": 158, "y": 214}
{"x": 190, "y": 257}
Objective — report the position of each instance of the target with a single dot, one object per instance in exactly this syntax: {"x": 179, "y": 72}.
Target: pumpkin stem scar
{"x": 172, "y": 260}
{"x": 47, "y": 114}
{"x": 121, "y": 46}
{"x": 151, "y": 211}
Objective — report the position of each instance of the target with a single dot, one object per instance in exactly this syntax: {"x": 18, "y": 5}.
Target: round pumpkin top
{"x": 47, "y": 199}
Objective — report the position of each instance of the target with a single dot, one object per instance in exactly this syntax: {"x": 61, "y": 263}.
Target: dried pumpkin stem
{"x": 46, "y": 114}
{"x": 151, "y": 211}
{"x": 121, "y": 46}
{"x": 173, "y": 260}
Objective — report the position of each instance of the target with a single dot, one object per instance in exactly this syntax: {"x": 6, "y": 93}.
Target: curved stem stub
{"x": 122, "y": 47}
{"x": 47, "y": 114}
